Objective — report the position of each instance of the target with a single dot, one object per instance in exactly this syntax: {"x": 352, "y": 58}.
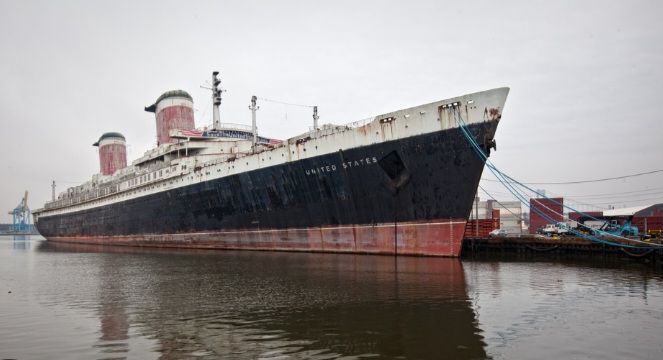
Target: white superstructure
{"x": 194, "y": 158}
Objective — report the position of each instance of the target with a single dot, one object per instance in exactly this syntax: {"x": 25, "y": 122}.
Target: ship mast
{"x": 254, "y": 128}
{"x": 315, "y": 118}
{"x": 216, "y": 100}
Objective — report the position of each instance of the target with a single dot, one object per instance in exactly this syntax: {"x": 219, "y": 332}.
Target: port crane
{"x": 21, "y": 216}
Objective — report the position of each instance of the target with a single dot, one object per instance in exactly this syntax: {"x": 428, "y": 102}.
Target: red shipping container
{"x": 545, "y": 211}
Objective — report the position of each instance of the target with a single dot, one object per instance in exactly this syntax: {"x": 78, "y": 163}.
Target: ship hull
{"x": 406, "y": 196}
{"x": 437, "y": 238}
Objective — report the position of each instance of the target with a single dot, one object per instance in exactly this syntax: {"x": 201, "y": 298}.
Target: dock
{"x": 564, "y": 245}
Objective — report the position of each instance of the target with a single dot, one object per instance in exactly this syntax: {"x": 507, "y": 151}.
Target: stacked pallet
{"x": 485, "y": 226}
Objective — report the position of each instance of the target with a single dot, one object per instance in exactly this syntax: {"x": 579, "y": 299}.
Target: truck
{"x": 613, "y": 228}
{"x": 559, "y": 228}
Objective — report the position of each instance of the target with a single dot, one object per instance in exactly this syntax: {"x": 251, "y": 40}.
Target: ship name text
{"x": 346, "y": 165}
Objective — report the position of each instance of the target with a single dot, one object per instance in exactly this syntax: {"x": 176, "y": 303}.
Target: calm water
{"x": 66, "y": 302}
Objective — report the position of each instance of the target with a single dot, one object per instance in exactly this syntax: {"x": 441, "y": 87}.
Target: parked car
{"x": 497, "y": 233}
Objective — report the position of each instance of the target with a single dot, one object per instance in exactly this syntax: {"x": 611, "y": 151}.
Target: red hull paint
{"x": 435, "y": 238}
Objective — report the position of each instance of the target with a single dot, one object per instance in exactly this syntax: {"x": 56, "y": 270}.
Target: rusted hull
{"x": 436, "y": 238}
{"x": 410, "y": 196}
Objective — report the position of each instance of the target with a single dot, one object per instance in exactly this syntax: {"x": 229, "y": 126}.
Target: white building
{"x": 511, "y": 214}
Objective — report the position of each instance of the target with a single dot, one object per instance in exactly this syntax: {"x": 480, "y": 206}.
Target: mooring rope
{"x": 631, "y": 254}
{"x": 542, "y": 249}
{"x": 508, "y": 182}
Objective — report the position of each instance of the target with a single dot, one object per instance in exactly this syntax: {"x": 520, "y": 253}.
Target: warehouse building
{"x": 510, "y": 214}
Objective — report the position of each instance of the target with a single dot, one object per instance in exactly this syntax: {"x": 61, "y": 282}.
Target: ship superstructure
{"x": 401, "y": 182}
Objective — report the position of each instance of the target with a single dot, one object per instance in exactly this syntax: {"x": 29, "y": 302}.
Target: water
{"x": 86, "y": 302}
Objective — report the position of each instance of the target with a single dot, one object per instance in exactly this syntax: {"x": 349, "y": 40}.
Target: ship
{"x": 400, "y": 183}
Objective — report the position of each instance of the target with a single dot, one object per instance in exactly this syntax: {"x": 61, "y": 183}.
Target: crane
{"x": 21, "y": 216}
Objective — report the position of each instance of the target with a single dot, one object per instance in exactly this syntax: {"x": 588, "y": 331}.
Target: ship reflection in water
{"x": 269, "y": 305}
{"x": 82, "y": 301}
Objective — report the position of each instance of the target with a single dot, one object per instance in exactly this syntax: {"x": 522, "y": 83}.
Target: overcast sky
{"x": 586, "y": 79}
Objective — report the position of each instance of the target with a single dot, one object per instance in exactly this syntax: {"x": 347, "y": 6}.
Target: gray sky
{"x": 585, "y": 77}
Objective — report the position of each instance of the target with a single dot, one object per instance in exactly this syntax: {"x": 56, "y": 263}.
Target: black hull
{"x": 417, "y": 179}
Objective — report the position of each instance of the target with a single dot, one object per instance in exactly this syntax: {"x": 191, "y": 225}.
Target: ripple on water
{"x": 93, "y": 303}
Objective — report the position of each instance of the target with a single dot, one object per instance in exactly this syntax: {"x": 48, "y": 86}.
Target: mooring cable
{"x": 507, "y": 182}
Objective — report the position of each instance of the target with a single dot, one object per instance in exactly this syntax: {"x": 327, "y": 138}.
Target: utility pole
{"x": 476, "y": 215}
{"x": 254, "y": 128}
